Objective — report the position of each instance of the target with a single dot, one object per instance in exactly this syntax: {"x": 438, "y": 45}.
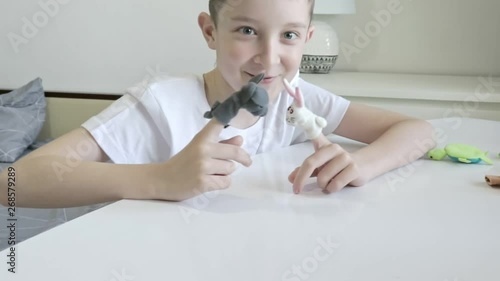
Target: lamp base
{"x": 321, "y": 51}
{"x": 317, "y": 64}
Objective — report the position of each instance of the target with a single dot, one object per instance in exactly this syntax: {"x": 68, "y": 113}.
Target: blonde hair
{"x": 214, "y": 6}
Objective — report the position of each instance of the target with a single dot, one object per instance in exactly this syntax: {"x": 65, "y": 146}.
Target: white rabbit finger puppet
{"x": 299, "y": 116}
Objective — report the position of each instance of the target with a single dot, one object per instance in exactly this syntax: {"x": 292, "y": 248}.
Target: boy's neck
{"x": 217, "y": 89}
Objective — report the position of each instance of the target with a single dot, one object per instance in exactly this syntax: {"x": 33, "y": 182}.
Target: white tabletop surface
{"x": 431, "y": 220}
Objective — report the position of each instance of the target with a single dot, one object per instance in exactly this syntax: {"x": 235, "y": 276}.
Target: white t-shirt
{"x": 155, "y": 120}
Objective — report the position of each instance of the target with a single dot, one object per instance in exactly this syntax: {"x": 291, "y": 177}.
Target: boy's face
{"x": 261, "y": 36}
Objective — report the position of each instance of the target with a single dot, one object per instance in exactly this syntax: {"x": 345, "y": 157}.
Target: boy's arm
{"x": 394, "y": 139}
{"x": 69, "y": 172}
{"x": 50, "y": 177}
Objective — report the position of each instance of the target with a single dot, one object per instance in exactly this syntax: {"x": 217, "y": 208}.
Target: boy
{"x": 162, "y": 147}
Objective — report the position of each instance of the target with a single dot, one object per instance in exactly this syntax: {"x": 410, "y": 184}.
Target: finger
{"x": 236, "y": 140}
{"x": 342, "y": 179}
{"x": 332, "y": 168}
{"x": 219, "y": 167}
{"x": 320, "y": 141}
{"x": 225, "y": 151}
{"x": 314, "y": 161}
{"x": 216, "y": 182}
{"x": 293, "y": 175}
{"x": 305, "y": 171}
{"x": 211, "y": 131}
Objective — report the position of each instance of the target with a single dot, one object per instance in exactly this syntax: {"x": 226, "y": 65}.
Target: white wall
{"x": 455, "y": 37}
{"x": 102, "y": 46}
{"x": 106, "y": 46}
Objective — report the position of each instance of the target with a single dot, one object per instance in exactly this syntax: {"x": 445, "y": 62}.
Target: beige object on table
{"x": 493, "y": 180}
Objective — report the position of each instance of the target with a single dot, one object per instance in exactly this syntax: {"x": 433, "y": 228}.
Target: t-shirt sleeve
{"x": 128, "y": 130}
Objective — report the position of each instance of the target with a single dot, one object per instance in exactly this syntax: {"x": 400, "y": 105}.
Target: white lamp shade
{"x": 334, "y": 7}
{"x": 324, "y": 41}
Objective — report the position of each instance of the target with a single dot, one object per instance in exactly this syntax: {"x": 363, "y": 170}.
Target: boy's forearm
{"x": 398, "y": 146}
{"x": 51, "y": 182}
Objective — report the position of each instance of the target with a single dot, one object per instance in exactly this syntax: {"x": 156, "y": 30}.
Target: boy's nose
{"x": 269, "y": 54}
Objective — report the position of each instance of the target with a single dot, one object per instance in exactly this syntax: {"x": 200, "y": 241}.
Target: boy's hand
{"x": 205, "y": 164}
{"x": 334, "y": 168}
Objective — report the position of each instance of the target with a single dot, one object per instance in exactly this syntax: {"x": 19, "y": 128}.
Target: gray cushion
{"x": 22, "y": 114}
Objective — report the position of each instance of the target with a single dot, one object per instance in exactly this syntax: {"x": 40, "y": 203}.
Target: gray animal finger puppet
{"x": 299, "y": 116}
{"x": 251, "y": 97}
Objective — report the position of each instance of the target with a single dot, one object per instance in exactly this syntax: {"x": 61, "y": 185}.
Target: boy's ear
{"x": 310, "y": 33}
{"x": 207, "y": 27}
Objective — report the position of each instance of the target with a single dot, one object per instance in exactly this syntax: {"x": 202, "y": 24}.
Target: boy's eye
{"x": 290, "y": 35}
{"x": 247, "y": 30}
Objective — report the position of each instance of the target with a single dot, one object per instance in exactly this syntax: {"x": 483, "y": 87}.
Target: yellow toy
{"x": 462, "y": 153}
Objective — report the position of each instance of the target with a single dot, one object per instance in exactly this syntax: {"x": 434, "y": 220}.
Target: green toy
{"x": 462, "y": 153}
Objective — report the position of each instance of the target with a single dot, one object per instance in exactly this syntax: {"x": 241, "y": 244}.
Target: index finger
{"x": 320, "y": 141}
{"x": 313, "y": 162}
{"x": 211, "y": 131}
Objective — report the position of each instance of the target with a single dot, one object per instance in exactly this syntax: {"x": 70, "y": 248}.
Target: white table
{"x": 432, "y": 220}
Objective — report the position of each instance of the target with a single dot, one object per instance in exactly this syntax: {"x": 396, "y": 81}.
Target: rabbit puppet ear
{"x": 296, "y": 94}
